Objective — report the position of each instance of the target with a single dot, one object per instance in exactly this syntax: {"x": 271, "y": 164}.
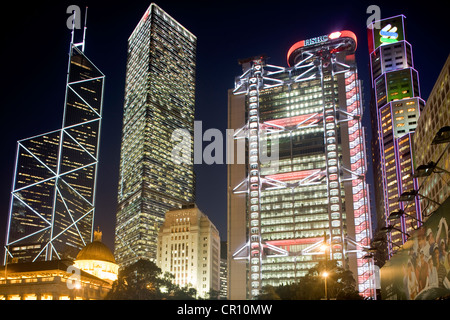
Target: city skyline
{"x": 217, "y": 67}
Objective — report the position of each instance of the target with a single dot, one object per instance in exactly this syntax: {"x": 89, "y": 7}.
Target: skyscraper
{"x": 311, "y": 204}
{"x": 53, "y": 195}
{"x": 159, "y": 98}
{"x": 395, "y": 110}
{"x": 432, "y": 156}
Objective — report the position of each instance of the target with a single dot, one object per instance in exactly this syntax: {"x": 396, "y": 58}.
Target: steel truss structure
{"x": 52, "y": 203}
{"x": 314, "y": 62}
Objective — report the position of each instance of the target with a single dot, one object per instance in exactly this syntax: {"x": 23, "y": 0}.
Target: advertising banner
{"x": 420, "y": 270}
{"x": 391, "y": 30}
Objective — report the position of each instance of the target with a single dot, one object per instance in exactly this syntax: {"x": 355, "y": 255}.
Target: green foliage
{"x": 144, "y": 280}
{"x": 340, "y": 285}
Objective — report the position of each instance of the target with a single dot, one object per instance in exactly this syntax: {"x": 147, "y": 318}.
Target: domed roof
{"x": 96, "y": 250}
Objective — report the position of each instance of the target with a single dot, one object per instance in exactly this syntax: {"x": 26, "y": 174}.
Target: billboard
{"x": 391, "y": 30}
{"x": 420, "y": 270}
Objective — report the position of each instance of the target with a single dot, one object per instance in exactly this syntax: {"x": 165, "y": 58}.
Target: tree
{"x": 213, "y": 295}
{"x": 340, "y": 285}
{"x": 340, "y": 282}
{"x": 144, "y": 280}
{"x": 269, "y": 293}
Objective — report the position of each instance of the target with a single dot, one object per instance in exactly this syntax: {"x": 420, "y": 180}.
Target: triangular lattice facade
{"x": 52, "y": 200}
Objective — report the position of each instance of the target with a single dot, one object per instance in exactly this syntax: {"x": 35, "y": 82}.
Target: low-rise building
{"x": 189, "y": 248}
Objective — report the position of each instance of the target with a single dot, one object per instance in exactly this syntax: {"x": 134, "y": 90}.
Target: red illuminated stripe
{"x": 331, "y": 36}
{"x": 293, "y": 121}
{"x": 296, "y": 46}
{"x": 296, "y": 175}
{"x": 292, "y": 242}
{"x": 349, "y": 34}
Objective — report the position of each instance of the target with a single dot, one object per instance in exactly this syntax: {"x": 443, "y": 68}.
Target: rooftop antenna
{"x": 85, "y": 28}
{"x": 73, "y": 29}
{"x": 82, "y": 44}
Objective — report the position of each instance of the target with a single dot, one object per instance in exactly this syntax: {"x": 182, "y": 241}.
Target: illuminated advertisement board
{"x": 391, "y": 30}
{"x": 420, "y": 270}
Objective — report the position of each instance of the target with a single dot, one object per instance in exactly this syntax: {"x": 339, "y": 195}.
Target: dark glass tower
{"x": 159, "y": 98}
{"x": 53, "y": 195}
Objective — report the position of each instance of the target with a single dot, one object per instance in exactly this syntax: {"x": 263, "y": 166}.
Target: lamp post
{"x": 425, "y": 170}
{"x": 325, "y": 276}
{"x": 397, "y": 214}
{"x": 389, "y": 229}
{"x": 410, "y": 195}
{"x": 325, "y": 247}
{"x": 442, "y": 136}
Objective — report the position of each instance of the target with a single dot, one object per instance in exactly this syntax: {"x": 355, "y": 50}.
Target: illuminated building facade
{"x": 395, "y": 110}
{"x": 189, "y": 248}
{"x": 53, "y": 195}
{"x": 223, "y": 271}
{"x": 89, "y": 277}
{"x": 435, "y": 115}
{"x": 97, "y": 259}
{"x": 159, "y": 98}
{"x": 49, "y": 280}
{"x": 310, "y": 204}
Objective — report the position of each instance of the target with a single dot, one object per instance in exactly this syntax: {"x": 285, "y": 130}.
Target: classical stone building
{"x": 89, "y": 277}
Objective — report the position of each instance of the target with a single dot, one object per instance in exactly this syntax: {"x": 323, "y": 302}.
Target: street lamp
{"x": 410, "y": 195}
{"x": 389, "y": 229}
{"x": 379, "y": 240}
{"x": 368, "y": 256}
{"x": 371, "y": 250}
{"x": 442, "y": 136}
{"x": 325, "y": 276}
{"x": 324, "y": 247}
{"x": 425, "y": 170}
{"x": 397, "y": 214}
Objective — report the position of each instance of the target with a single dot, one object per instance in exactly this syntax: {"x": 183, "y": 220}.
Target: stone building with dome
{"x": 97, "y": 259}
{"x": 89, "y": 277}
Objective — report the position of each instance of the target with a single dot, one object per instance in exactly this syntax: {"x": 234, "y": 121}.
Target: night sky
{"x": 34, "y": 57}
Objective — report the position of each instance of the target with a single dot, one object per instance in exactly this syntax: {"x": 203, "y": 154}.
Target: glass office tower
{"x": 53, "y": 196}
{"x": 159, "y": 98}
{"x": 312, "y": 203}
{"x": 395, "y": 110}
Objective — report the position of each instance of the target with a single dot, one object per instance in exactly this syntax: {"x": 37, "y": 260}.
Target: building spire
{"x": 98, "y": 235}
{"x": 84, "y": 31}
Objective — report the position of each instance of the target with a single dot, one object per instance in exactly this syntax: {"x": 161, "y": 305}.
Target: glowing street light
{"x": 325, "y": 276}
{"x": 324, "y": 247}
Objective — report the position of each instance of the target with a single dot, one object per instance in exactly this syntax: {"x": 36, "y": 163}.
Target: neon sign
{"x": 388, "y": 34}
{"x": 316, "y": 40}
